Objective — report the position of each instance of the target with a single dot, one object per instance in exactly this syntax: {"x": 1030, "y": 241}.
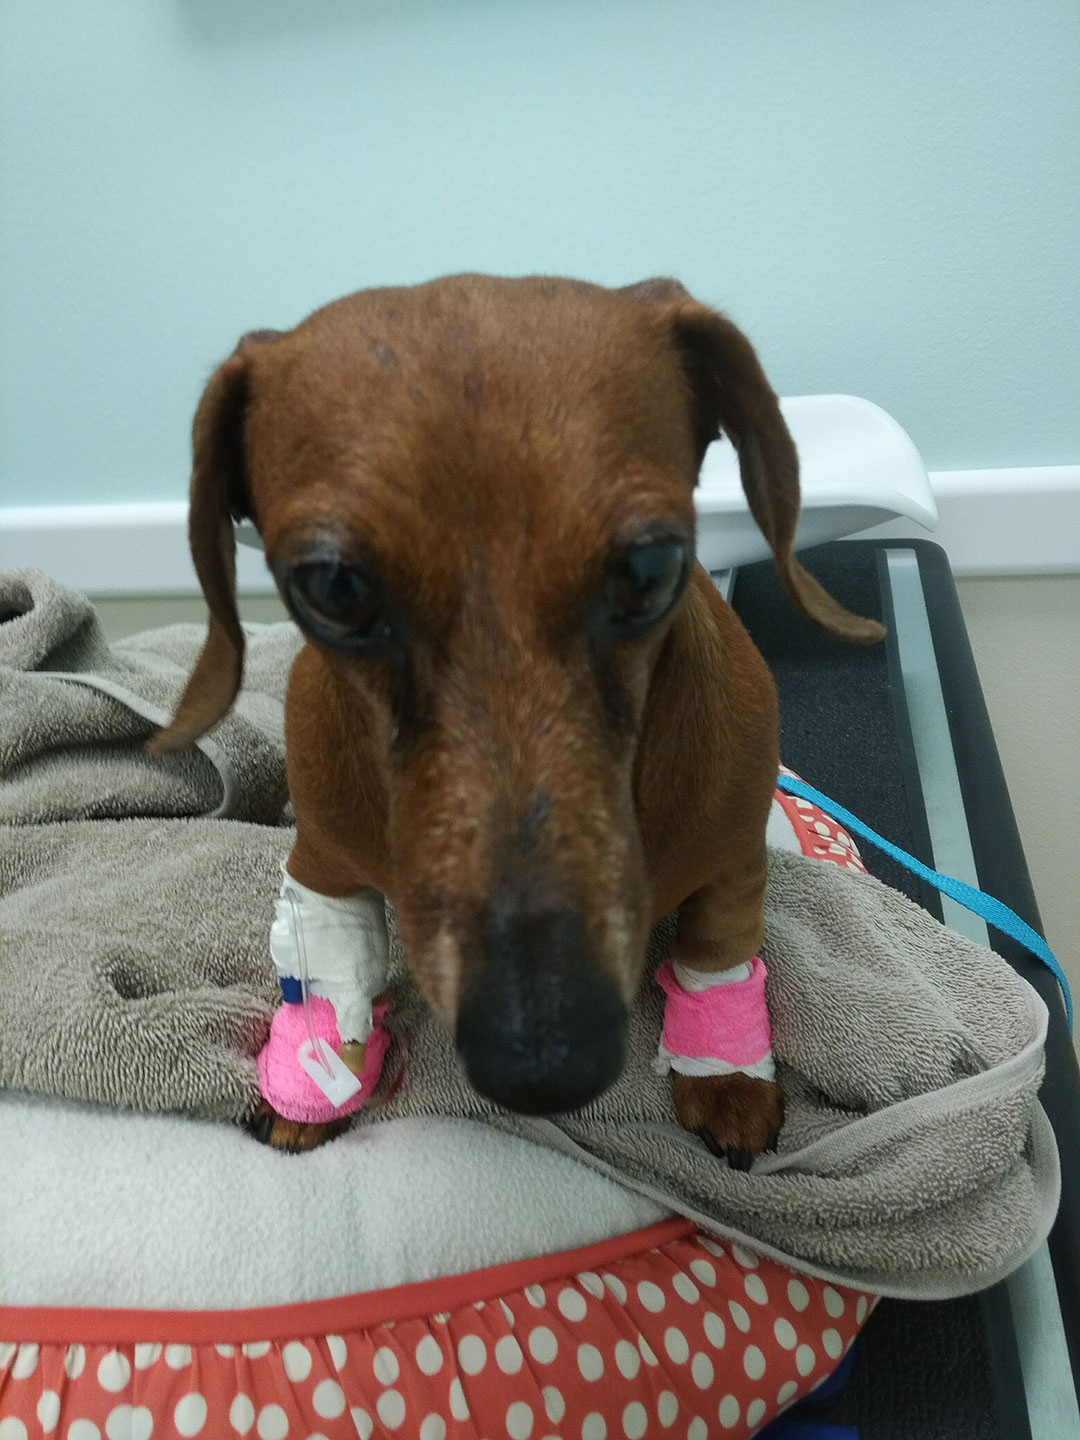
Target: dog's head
{"x": 476, "y": 499}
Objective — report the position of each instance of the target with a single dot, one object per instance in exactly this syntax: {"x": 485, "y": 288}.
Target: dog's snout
{"x": 541, "y": 1027}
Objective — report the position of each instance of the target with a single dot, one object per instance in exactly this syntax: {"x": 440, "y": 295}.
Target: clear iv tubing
{"x": 305, "y": 993}
{"x": 305, "y": 1000}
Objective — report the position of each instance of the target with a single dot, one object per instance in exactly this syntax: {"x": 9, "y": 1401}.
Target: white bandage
{"x": 346, "y": 949}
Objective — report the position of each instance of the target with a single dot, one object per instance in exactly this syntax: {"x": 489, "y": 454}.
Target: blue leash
{"x": 994, "y": 912}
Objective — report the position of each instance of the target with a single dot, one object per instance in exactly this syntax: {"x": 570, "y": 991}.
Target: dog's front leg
{"x": 337, "y": 946}
{"x": 716, "y": 1040}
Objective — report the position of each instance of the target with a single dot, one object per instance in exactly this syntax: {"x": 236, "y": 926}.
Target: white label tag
{"x": 337, "y": 1083}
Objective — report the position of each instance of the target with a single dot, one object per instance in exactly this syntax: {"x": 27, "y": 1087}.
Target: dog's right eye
{"x": 336, "y": 603}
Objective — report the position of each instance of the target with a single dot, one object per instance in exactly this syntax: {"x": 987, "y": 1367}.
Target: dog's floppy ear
{"x": 730, "y": 394}
{"x": 219, "y": 495}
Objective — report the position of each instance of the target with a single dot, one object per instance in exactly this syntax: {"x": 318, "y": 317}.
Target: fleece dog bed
{"x": 662, "y": 1330}
{"x": 915, "y": 1160}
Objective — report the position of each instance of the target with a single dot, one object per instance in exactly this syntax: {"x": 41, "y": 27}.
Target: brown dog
{"x": 523, "y": 712}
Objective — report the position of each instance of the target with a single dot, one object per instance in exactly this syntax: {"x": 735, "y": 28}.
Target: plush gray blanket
{"x": 133, "y": 970}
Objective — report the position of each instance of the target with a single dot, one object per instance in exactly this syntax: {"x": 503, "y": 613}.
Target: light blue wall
{"x": 885, "y": 193}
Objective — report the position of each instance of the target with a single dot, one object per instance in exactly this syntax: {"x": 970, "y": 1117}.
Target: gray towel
{"x": 915, "y": 1160}
{"x": 75, "y": 713}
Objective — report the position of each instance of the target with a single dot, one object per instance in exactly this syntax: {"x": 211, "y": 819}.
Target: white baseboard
{"x": 991, "y": 522}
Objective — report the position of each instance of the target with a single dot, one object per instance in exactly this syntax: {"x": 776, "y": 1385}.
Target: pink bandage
{"x": 284, "y": 1084}
{"x": 726, "y": 1022}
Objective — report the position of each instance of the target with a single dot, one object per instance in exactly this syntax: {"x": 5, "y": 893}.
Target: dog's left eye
{"x": 645, "y": 583}
{"x": 336, "y": 603}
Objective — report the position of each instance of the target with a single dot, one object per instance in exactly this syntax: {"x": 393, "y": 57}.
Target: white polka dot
{"x": 627, "y": 1359}
{"x": 617, "y": 1288}
{"x": 390, "y": 1407}
{"x": 739, "y": 1315}
{"x": 48, "y": 1410}
{"x": 753, "y": 1362}
{"x": 755, "y": 1412}
{"x": 798, "y": 1295}
{"x": 590, "y": 1362}
{"x": 74, "y": 1360}
{"x": 834, "y": 1302}
{"x": 675, "y": 1345}
{"x": 519, "y": 1421}
{"x": 651, "y": 1296}
{"x": 177, "y": 1356}
{"x": 7, "y": 1350}
{"x": 755, "y": 1288}
{"x": 572, "y": 1304}
{"x": 786, "y": 1336}
{"x": 594, "y": 1426}
{"x": 25, "y": 1361}
{"x": 508, "y": 1355}
{"x": 805, "y": 1359}
{"x": 861, "y": 1309}
{"x": 189, "y": 1417}
{"x": 471, "y": 1354}
{"x": 787, "y": 1392}
{"x": 242, "y": 1414}
{"x": 78, "y": 1430}
{"x": 12, "y": 1429}
{"x": 832, "y": 1344}
{"x": 385, "y": 1365}
{"x": 124, "y": 1423}
{"x": 328, "y": 1398}
{"x": 535, "y": 1296}
{"x": 697, "y": 1429}
{"x": 296, "y": 1358}
{"x": 225, "y": 1351}
{"x": 648, "y": 1354}
{"x": 635, "y": 1421}
{"x": 703, "y": 1271}
{"x": 508, "y": 1314}
{"x": 710, "y": 1245}
{"x": 543, "y": 1346}
{"x": 254, "y": 1351}
{"x": 339, "y": 1351}
{"x": 147, "y": 1355}
{"x": 113, "y": 1371}
{"x": 728, "y": 1413}
{"x": 685, "y": 1288}
{"x": 273, "y": 1423}
{"x": 459, "y": 1406}
{"x": 554, "y": 1404}
{"x": 701, "y": 1368}
{"x": 433, "y": 1427}
{"x": 591, "y": 1282}
{"x": 365, "y": 1426}
{"x": 746, "y": 1258}
{"x": 714, "y": 1330}
{"x": 429, "y": 1355}
{"x": 667, "y": 1408}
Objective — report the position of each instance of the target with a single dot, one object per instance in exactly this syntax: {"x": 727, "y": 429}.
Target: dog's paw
{"x": 737, "y": 1116}
{"x": 292, "y": 1136}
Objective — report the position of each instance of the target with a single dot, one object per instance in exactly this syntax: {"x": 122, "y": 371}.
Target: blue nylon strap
{"x": 994, "y": 912}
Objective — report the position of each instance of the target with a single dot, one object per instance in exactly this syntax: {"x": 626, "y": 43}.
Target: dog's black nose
{"x": 541, "y": 1028}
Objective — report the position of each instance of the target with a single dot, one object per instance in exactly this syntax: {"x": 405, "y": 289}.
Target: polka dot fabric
{"x": 818, "y": 834}
{"x": 665, "y": 1332}
{"x": 690, "y": 1337}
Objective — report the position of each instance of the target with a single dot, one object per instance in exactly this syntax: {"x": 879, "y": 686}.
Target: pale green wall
{"x": 885, "y": 193}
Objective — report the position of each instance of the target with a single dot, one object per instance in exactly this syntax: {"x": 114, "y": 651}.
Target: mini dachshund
{"x": 523, "y": 713}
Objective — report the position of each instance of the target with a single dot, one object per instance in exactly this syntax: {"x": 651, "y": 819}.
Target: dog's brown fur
{"x": 487, "y": 444}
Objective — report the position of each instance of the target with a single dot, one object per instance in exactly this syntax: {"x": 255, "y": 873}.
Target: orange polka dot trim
{"x": 691, "y": 1337}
